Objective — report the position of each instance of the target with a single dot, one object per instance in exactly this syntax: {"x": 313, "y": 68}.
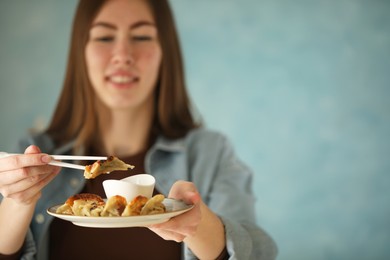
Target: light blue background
{"x": 301, "y": 88}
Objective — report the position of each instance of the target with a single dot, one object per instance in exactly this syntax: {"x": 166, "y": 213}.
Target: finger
{"x": 14, "y": 162}
{"x": 32, "y": 173}
{"x": 33, "y": 198}
{"x": 168, "y": 235}
{"x": 193, "y": 198}
{"x": 179, "y": 187}
{"x": 23, "y": 184}
{"x": 32, "y": 149}
{"x": 189, "y": 197}
{"x": 185, "y": 224}
{"x": 33, "y": 192}
{"x": 175, "y": 233}
{"x": 186, "y": 191}
{"x": 19, "y": 185}
{"x": 177, "y": 225}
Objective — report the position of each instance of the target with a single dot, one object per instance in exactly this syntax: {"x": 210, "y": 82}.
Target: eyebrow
{"x": 133, "y": 26}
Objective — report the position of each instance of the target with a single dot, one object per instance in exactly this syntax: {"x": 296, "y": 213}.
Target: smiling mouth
{"x": 122, "y": 79}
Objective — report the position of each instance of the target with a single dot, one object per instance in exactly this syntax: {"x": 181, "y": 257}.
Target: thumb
{"x": 32, "y": 149}
{"x": 185, "y": 191}
{"x": 192, "y": 198}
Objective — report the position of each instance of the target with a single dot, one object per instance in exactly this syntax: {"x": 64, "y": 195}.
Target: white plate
{"x": 173, "y": 207}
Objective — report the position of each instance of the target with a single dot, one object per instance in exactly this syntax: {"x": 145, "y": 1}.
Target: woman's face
{"x": 123, "y": 54}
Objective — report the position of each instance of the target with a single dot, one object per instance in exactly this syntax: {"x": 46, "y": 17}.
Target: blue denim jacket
{"x": 203, "y": 157}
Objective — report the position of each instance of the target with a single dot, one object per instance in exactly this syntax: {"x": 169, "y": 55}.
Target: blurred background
{"x": 300, "y": 87}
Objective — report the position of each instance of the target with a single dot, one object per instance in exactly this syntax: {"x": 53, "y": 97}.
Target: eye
{"x": 141, "y": 38}
{"x": 104, "y": 39}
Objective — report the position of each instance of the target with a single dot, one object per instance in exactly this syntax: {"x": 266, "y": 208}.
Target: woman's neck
{"x": 125, "y": 133}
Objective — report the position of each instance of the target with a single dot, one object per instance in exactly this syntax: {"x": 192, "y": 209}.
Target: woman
{"x": 124, "y": 94}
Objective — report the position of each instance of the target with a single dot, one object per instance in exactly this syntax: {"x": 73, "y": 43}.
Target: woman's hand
{"x": 22, "y": 177}
{"x": 200, "y": 229}
{"x": 184, "y": 225}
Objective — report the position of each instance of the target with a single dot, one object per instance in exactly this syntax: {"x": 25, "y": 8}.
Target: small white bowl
{"x": 130, "y": 187}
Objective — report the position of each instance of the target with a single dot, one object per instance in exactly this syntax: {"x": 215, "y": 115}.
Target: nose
{"x": 123, "y": 53}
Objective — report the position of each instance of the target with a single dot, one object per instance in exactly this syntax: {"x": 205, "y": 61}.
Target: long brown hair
{"x": 75, "y": 116}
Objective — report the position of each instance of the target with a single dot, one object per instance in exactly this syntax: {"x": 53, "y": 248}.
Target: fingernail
{"x": 46, "y": 158}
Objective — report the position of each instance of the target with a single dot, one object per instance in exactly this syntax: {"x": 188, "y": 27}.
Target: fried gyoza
{"x": 92, "y": 205}
{"x": 135, "y": 206}
{"x": 154, "y": 205}
{"x": 84, "y": 204}
{"x": 114, "y": 207}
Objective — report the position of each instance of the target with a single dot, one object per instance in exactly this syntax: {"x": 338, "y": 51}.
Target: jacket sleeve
{"x": 29, "y": 248}
{"x": 230, "y": 196}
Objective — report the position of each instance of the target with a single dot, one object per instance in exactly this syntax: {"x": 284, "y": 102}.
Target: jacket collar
{"x": 169, "y": 145}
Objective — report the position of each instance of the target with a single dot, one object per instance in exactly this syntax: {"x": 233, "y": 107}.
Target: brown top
{"x": 68, "y": 241}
